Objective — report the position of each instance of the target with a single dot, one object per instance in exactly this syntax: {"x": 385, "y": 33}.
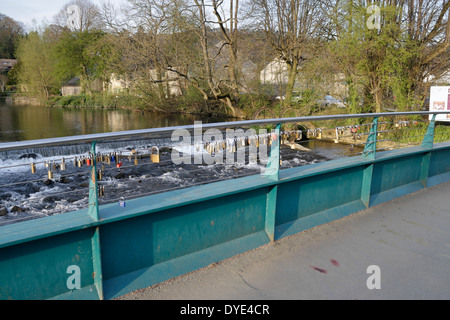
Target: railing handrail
{"x": 88, "y": 138}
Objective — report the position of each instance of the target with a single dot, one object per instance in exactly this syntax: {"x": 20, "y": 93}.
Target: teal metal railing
{"x": 105, "y": 250}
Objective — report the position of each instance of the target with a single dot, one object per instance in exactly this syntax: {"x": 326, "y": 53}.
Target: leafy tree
{"x": 10, "y": 32}
{"x": 290, "y": 27}
{"x": 37, "y": 65}
{"x": 387, "y": 66}
{"x": 89, "y": 55}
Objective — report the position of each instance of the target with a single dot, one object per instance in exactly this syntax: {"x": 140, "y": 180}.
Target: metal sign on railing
{"x": 440, "y": 101}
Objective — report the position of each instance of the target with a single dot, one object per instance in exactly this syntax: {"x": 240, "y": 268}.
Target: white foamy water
{"x": 26, "y": 195}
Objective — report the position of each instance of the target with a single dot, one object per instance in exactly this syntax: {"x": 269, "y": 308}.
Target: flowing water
{"x": 25, "y": 194}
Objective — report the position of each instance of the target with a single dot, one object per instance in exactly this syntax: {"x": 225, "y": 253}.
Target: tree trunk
{"x": 206, "y": 59}
{"x": 293, "y": 70}
{"x": 159, "y": 82}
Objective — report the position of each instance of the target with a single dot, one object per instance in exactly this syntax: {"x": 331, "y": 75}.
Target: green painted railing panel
{"x": 439, "y": 162}
{"x": 301, "y": 198}
{"x": 395, "y": 173}
{"x": 38, "y": 269}
{"x": 161, "y": 236}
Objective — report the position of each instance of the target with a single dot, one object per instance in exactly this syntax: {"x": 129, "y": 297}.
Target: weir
{"x": 108, "y": 249}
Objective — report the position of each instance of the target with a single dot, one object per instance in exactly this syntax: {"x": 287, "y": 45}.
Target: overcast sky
{"x": 26, "y": 10}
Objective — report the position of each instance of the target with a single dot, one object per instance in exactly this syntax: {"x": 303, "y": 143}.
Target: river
{"x": 25, "y": 195}
{"x": 29, "y": 122}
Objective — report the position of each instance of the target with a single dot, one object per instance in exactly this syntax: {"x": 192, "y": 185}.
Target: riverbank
{"x": 188, "y": 104}
{"x": 202, "y": 108}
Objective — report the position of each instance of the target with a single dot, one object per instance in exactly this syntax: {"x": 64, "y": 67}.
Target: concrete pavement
{"x": 407, "y": 239}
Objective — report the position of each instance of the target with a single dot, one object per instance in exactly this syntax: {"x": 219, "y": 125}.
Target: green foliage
{"x": 382, "y": 69}
{"x": 88, "y": 54}
{"x": 36, "y": 71}
{"x": 97, "y": 100}
{"x": 10, "y": 33}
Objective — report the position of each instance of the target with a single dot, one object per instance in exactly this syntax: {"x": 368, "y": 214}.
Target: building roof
{"x": 7, "y": 64}
{"x": 74, "y": 82}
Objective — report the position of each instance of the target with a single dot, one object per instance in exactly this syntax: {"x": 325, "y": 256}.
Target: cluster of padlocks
{"x": 105, "y": 159}
{"x": 405, "y": 123}
{"x": 233, "y": 144}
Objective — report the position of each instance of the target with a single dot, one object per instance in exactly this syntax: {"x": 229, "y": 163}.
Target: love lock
{"x": 155, "y": 156}
{"x": 63, "y": 165}
{"x": 122, "y": 202}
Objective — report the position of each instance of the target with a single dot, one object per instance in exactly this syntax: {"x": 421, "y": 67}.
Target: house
{"x": 276, "y": 74}
{"x": 71, "y": 87}
{"x": 120, "y": 83}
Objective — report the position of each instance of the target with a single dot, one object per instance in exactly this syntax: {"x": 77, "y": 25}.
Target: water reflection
{"x": 28, "y": 122}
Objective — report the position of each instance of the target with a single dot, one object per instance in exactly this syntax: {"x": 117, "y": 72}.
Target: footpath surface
{"x": 396, "y": 250}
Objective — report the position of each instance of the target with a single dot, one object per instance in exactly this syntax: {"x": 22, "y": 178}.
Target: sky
{"x": 26, "y": 10}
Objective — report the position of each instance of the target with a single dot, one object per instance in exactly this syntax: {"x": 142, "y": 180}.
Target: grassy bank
{"x": 181, "y": 105}
{"x": 96, "y": 101}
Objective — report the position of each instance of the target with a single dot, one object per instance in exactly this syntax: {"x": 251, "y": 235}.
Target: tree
{"x": 290, "y": 27}
{"x": 90, "y": 55}
{"x": 387, "y": 66}
{"x": 229, "y": 31}
{"x": 10, "y": 32}
{"x": 37, "y": 65}
{"x": 427, "y": 28}
{"x": 79, "y": 15}
{"x": 219, "y": 88}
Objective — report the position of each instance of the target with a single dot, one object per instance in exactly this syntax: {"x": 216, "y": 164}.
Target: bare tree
{"x": 290, "y": 27}
{"x": 392, "y": 62}
{"x": 427, "y": 25}
{"x": 201, "y": 14}
{"x": 229, "y": 31}
{"x": 79, "y": 15}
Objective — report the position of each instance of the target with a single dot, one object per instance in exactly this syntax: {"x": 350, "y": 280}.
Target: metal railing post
{"x": 371, "y": 144}
{"x": 428, "y": 144}
{"x": 93, "y": 211}
{"x": 93, "y": 188}
{"x": 273, "y": 163}
{"x": 429, "y": 135}
{"x": 272, "y": 171}
{"x": 369, "y": 153}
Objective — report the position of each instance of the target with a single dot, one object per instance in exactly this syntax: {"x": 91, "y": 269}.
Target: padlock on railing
{"x": 155, "y": 156}
{"x": 100, "y": 174}
{"x": 62, "y": 166}
{"x": 101, "y": 190}
{"x": 122, "y": 202}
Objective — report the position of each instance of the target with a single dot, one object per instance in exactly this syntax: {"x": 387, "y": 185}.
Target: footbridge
{"x": 113, "y": 246}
